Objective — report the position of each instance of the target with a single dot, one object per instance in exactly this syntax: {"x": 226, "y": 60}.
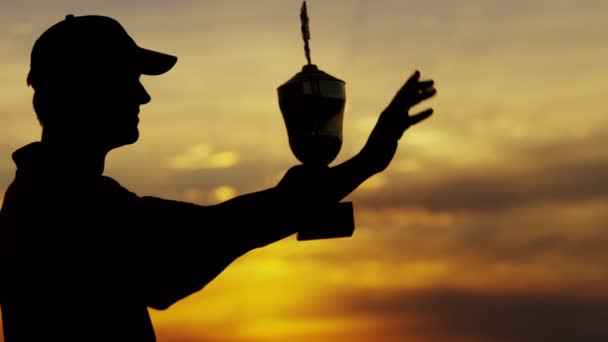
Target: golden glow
{"x": 520, "y": 88}
{"x": 375, "y": 182}
{"x": 223, "y": 193}
{"x": 284, "y": 328}
{"x": 201, "y": 156}
{"x": 195, "y": 196}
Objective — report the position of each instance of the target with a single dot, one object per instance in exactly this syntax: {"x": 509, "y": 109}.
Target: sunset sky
{"x": 491, "y": 223}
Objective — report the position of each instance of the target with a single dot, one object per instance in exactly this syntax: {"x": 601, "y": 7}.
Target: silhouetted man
{"x": 82, "y": 258}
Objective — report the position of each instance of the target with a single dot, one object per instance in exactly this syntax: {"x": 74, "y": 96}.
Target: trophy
{"x": 312, "y": 103}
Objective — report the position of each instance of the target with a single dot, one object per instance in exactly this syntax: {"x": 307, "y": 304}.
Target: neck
{"x": 76, "y": 154}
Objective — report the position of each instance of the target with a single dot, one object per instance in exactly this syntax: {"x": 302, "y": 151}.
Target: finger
{"x": 410, "y": 92}
{"x": 425, "y": 84}
{"x": 422, "y": 95}
{"x": 426, "y": 90}
{"x": 425, "y": 93}
{"x": 425, "y": 114}
{"x": 410, "y": 87}
{"x": 413, "y": 79}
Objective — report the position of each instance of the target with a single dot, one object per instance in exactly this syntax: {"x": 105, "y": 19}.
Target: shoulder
{"x": 112, "y": 187}
{"x": 162, "y": 204}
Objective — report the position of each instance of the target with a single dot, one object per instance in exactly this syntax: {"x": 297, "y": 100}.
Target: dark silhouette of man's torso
{"x": 83, "y": 258}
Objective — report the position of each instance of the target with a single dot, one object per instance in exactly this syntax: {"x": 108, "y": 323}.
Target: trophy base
{"x": 317, "y": 150}
{"x": 336, "y": 221}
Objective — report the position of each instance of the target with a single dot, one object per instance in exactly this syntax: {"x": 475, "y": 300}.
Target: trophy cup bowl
{"x": 312, "y": 103}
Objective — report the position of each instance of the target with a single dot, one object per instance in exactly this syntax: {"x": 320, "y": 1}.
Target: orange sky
{"x": 490, "y": 224}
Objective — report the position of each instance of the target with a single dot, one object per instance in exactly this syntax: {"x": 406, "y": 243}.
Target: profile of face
{"x": 104, "y": 108}
{"x": 115, "y": 106}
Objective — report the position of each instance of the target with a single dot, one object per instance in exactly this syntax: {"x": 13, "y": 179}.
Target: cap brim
{"x": 155, "y": 63}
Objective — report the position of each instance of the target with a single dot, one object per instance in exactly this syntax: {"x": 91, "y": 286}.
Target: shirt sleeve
{"x": 184, "y": 250}
{"x": 183, "y": 246}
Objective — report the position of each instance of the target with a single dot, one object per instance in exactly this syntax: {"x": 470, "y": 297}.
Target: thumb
{"x": 414, "y": 119}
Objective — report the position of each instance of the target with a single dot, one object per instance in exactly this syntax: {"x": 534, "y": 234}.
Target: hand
{"x": 305, "y": 184}
{"x": 394, "y": 120}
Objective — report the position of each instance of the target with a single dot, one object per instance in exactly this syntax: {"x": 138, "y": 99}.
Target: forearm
{"x": 344, "y": 178}
{"x": 256, "y": 219}
{"x": 260, "y": 218}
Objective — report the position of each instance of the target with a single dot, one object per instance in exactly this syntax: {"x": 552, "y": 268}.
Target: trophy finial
{"x": 305, "y": 31}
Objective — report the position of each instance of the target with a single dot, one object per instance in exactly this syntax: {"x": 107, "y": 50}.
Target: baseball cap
{"x": 80, "y": 45}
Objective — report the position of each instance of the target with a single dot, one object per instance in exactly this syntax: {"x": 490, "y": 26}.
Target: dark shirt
{"x": 82, "y": 258}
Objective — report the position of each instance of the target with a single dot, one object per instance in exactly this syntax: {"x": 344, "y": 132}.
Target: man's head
{"x": 85, "y": 72}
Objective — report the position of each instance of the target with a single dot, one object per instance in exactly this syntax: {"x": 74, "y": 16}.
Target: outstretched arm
{"x": 234, "y": 227}
{"x": 304, "y": 188}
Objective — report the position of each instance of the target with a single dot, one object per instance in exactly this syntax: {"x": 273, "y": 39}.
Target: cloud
{"x": 202, "y": 156}
{"x": 455, "y": 314}
{"x": 507, "y": 248}
{"x": 526, "y": 182}
{"x": 247, "y": 176}
{"x": 526, "y": 175}
{"x": 223, "y": 193}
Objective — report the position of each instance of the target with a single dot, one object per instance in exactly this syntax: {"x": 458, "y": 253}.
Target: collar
{"x": 37, "y": 158}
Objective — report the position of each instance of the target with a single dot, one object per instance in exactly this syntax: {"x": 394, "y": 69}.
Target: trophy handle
{"x": 335, "y": 221}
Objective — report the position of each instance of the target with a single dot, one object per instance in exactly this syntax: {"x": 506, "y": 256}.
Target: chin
{"x": 132, "y": 138}
{"x": 125, "y": 139}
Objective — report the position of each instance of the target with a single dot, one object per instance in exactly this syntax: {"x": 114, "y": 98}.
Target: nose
{"x": 143, "y": 95}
